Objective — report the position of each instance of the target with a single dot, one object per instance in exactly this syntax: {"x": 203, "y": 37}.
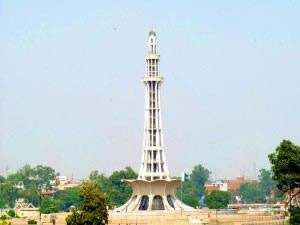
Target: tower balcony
{"x": 155, "y": 79}
{"x": 152, "y": 56}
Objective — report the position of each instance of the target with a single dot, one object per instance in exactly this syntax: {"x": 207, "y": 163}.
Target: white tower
{"x": 153, "y": 165}
{"x": 153, "y": 190}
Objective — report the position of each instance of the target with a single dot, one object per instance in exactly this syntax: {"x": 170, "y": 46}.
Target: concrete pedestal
{"x": 153, "y": 195}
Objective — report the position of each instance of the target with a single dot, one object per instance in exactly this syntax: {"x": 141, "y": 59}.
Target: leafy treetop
{"x": 286, "y": 165}
{"x": 93, "y": 208}
{"x": 218, "y": 199}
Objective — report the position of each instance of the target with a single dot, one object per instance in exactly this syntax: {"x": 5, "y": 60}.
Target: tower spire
{"x": 153, "y": 165}
{"x": 152, "y": 42}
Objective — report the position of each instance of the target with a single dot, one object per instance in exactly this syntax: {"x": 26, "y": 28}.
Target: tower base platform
{"x": 153, "y": 195}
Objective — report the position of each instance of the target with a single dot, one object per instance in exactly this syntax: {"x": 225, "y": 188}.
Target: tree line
{"x": 38, "y": 178}
{"x": 271, "y": 186}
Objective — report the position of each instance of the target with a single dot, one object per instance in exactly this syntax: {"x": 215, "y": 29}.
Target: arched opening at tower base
{"x": 144, "y": 203}
{"x": 170, "y": 201}
{"x": 158, "y": 203}
{"x": 152, "y": 196}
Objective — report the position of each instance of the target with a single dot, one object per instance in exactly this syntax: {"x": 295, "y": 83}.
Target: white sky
{"x": 71, "y": 94}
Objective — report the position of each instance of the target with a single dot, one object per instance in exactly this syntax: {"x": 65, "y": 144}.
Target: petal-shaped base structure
{"x": 153, "y": 195}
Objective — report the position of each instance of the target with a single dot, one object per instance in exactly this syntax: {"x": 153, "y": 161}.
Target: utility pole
{"x": 254, "y": 170}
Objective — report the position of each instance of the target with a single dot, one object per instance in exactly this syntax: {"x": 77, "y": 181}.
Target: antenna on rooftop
{"x": 6, "y": 170}
{"x": 215, "y": 174}
{"x": 254, "y": 170}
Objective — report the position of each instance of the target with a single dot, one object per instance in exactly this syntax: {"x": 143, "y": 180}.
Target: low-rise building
{"x": 27, "y": 210}
{"x": 227, "y": 185}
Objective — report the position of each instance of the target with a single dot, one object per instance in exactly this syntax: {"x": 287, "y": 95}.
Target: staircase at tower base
{"x": 153, "y": 195}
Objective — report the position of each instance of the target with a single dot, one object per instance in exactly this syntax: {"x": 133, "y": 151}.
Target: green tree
{"x": 92, "y": 210}
{"x": 119, "y": 192}
{"x": 189, "y": 193}
{"x": 2, "y": 199}
{"x": 251, "y": 193}
{"x": 266, "y": 182}
{"x": 269, "y": 186}
{"x": 100, "y": 179}
{"x": 218, "y": 199}
{"x": 24, "y": 175}
{"x": 200, "y": 175}
{"x": 9, "y": 193}
{"x": 193, "y": 189}
{"x": 39, "y": 176}
{"x": 286, "y": 165}
{"x": 49, "y": 205}
{"x": 43, "y": 175}
{"x": 11, "y": 213}
{"x": 295, "y": 215}
{"x": 2, "y": 180}
{"x": 67, "y": 198}
{"x": 2, "y": 203}
{"x": 31, "y": 195}
{"x": 34, "y": 180}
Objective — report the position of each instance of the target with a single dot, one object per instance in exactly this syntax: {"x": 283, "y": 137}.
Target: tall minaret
{"x": 153, "y": 190}
{"x": 153, "y": 165}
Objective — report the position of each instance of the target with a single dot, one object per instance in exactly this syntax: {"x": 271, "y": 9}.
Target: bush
{"x": 3, "y": 217}
{"x": 11, "y": 213}
{"x": 32, "y": 222}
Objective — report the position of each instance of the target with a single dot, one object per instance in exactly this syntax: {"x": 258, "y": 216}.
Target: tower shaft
{"x": 153, "y": 165}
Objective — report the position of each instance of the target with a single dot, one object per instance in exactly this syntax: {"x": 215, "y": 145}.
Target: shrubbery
{"x": 11, "y": 213}
{"x": 3, "y": 217}
{"x": 32, "y": 222}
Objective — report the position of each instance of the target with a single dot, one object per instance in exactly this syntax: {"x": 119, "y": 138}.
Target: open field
{"x": 178, "y": 218}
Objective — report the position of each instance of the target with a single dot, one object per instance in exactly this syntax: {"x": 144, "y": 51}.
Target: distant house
{"x": 26, "y": 209}
{"x": 62, "y": 183}
{"x": 48, "y": 193}
{"x": 20, "y": 185}
{"x": 61, "y": 187}
{"x": 227, "y": 185}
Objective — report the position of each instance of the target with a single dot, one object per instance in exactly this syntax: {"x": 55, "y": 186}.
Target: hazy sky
{"x": 71, "y": 94}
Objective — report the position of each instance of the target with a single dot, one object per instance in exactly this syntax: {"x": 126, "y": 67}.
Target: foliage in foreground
{"x": 93, "y": 209}
{"x": 285, "y": 167}
{"x": 295, "y": 215}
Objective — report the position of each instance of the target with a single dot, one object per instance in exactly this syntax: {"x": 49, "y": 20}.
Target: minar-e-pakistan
{"x": 153, "y": 190}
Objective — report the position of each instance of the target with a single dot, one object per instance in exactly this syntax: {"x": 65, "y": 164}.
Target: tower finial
{"x": 152, "y": 32}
